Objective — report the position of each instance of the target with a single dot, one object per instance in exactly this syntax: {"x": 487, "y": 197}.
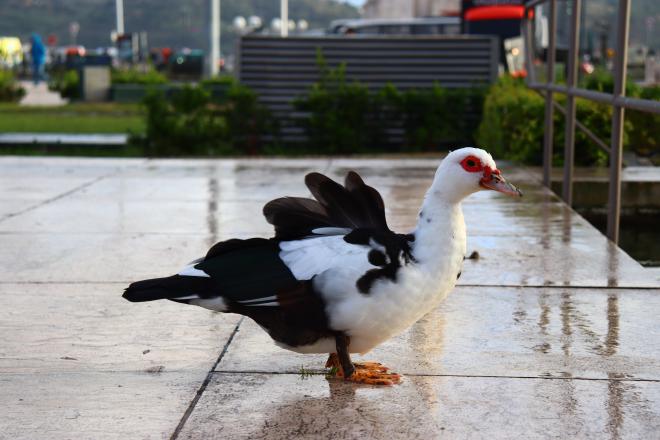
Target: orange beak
{"x": 493, "y": 180}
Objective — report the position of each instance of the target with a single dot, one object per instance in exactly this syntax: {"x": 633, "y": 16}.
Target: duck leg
{"x": 372, "y": 373}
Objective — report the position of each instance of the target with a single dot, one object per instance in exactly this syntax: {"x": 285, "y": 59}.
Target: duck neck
{"x": 440, "y": 231}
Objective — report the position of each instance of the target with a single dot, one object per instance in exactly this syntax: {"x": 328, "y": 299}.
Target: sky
{"x": 355, "y": 2}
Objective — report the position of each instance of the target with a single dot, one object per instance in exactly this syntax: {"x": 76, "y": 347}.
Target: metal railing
{"x": 617, "y": 100}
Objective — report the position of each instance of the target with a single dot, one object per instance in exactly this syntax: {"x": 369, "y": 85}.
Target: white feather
{"x": 216, "y": 304}
{"x": 191, "y": 271}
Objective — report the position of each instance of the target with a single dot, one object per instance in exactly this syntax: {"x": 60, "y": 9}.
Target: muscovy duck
{"x": 334, "y": 278}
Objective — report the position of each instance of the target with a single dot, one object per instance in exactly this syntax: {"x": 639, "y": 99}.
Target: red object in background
{"x": 519, "y": 74}
{"x": 166, "y": 52}
{"x": 75, "y": 51}
{"x": 500, "y": 12}
{"x": 51, "y": 40}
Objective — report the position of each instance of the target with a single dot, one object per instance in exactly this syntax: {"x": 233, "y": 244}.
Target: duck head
{"x": 467, "y": 171}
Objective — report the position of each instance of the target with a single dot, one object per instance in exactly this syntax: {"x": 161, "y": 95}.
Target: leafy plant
{"x": 248, "y": 121}
{"x": 188, "y": 121}
{"x": 512, "y": 125}
{"x": 10, "y": 90}
{"x": 338, "y": 112}
{"x": 645, "y": 135}
{"x": 184, "y": 124}
{"x": 346, "y": 117}
{"x": 66, "y": 82}
{"x": 135, "y": 76}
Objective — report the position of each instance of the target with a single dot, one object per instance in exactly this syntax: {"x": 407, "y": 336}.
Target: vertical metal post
{"x": 284, "y": 16}
{"x": 548, "y": 135}
{"x": 569, "y": 145}
{"x": 620, "y": 64}
{"x": 119, "y": 11}
{"x": 214, "y": 68}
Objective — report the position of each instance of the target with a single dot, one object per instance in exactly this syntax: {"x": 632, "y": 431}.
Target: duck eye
{"x": 471, "y": 164}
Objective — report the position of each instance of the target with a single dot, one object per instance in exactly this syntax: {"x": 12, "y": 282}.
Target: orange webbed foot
{"x": 371, "y": 373}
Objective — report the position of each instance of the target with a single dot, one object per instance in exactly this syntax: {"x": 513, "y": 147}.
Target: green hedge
{"x": 135, "y": 76}
{"x": 345, "y": 117}
{"x": 189, "y": 121}
{"x": 66, "y": 82}
{"x": 512, "y": 124}
{"x": 10, "y": 90}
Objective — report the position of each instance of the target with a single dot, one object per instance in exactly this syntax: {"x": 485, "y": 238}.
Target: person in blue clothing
{"x": 38, "y": 54}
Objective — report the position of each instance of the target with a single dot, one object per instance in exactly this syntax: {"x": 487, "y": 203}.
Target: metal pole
{"x": 620, "y": 64}
{"x": 215, "y": 38}
{"x": 569, "y": 145}
{"x": 548, "y": 137}
{"x": 119, "y": 10}
{"x": 284, "y": 16}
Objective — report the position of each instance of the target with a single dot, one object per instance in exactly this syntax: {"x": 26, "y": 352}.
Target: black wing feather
{"x": 353, "y": 206}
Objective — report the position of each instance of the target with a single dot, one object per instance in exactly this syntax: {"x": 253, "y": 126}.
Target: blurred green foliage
{"x": 190, "y": 122}
{"x": 10, "y": 89}
{"x": 512, "y": 124}
{"x": 345, "y": 117}
{"x": 137, "y": 76}
{"x": 66, "y": 82}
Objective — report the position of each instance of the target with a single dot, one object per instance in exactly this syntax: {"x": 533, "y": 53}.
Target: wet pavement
{"x": 552, "y": 332}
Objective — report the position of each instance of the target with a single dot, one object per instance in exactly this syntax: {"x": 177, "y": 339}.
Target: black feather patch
{"x": 355, "y": 205}
{"x": 168, "y": 288}
{"x": 397, "y": 251}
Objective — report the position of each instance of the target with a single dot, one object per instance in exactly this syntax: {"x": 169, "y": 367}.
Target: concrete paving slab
{"x": 88, "y": 405}
{"x": 495, "y": 360}
{"x": 587, "y": 260}
{"x": 90, "y": 328}
{"x": 282, "y": 406}
{"x": 65, "y": 257}
{"x": 495, "y": 331}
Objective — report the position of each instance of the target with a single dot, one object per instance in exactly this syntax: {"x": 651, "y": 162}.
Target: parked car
{"x": 402, "y": 26}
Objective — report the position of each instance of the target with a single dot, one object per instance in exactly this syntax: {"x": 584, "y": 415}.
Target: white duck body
{"x": 391, "y": 306}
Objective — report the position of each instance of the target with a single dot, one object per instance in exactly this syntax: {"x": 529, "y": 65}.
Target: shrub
{"x": 645, "y": 136}
{"x": 338, "y": 121}
{"x": 248, "y": 121}
{"x": 438, "y": 116}
{"x": 345, "y": 117}
{"x": 10, "y": 90}
{"x": 189, "y": 122}
{"x": 135, "y": 76}
{"x": 66, "y": 82}
{"x": 512, "y": 125}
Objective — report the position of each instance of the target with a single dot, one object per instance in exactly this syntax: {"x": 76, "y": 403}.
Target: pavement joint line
{"x": 58, "y": 197}
{"x": 207, "y": 380}
{"x": 476, "y": 376}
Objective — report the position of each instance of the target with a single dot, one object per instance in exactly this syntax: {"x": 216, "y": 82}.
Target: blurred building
{"x": 410, "y": 8}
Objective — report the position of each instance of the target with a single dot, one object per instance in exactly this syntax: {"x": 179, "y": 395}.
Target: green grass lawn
{"x": 72, "y": 118}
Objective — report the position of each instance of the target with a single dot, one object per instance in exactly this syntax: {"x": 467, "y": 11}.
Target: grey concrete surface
{"x": 552, "y": 333}
{"x": 40, "y": 95}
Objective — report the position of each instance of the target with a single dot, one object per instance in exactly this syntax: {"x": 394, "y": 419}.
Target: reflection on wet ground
{"x": 552, "y": 332}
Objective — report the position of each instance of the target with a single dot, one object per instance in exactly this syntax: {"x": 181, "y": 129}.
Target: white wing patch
{"x": 312, "y": 256}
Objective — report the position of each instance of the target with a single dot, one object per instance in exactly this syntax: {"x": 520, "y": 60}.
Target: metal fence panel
{"x": 281, "y": 69}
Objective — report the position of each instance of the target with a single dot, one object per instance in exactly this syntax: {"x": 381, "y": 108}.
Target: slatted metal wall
{"x": 279, "y": 69}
